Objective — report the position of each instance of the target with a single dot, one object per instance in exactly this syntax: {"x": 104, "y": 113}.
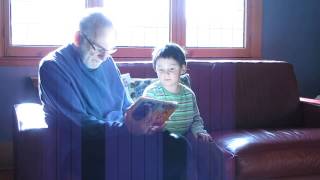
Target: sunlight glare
{"x": 30, "y": 116}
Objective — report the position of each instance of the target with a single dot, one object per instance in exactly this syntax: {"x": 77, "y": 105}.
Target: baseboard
{"x": 6, "y": 174}
{"x": 6, "y": 161}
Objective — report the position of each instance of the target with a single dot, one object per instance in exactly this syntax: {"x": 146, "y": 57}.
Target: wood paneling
{"x": 6, "y": 161}
{"x": 2, "y": 18}
{"x": 19, "y": 61}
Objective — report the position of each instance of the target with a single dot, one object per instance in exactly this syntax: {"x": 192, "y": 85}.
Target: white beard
{"x": 90, "y": 61}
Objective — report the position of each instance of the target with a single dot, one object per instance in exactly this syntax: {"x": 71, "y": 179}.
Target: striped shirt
{"x": 187, "y": 116}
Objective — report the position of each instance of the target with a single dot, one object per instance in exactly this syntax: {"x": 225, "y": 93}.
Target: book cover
{"x": 144, "y": 105}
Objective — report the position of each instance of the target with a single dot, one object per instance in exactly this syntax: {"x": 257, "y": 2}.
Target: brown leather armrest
{"x": 311, "y": 112}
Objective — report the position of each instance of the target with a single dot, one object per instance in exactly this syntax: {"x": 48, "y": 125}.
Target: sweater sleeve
{"x": 197, "y": 124}
{"x": 60, "y": 96}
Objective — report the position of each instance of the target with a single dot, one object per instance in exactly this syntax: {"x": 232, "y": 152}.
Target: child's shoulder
{"x": 187, "y": 89}
{"x": 153, "y": 88}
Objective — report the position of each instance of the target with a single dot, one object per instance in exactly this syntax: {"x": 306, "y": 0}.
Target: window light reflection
{"x": 30, "y": 116}
{"x": 238, "y": 142}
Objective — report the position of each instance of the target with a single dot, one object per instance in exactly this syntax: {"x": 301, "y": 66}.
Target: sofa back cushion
{"x": 267, "y": 92}
{"x": 249, "y": 94}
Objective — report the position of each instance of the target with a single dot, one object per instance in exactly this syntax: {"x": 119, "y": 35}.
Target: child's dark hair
{"x": 170, "y": 50}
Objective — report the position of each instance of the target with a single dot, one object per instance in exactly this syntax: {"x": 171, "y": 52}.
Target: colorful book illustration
{"x": 144, "y": 105}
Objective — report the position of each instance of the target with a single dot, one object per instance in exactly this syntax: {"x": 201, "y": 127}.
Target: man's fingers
{"x": 154, "y": 129}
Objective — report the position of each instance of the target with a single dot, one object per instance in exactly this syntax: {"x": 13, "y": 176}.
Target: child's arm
{"x": 197, "y": 127}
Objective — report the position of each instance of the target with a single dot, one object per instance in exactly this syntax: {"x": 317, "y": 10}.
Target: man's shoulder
{"x": 56, "y": 57}
{"x": 48, "y": 61}
{"x": 48, "y": 58}
{"x": 51, "y": 57}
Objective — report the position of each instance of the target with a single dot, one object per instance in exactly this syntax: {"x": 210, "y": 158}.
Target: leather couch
{"x": 262, "y": 129}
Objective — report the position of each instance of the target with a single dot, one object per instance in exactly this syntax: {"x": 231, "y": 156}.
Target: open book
{"x": 144, "y": 105}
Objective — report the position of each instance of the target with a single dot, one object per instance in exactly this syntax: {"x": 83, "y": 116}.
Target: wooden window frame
{"x": 177, "y": 34}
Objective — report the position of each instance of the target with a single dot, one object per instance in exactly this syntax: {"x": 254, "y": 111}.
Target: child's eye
{"x": 172, "y": 69}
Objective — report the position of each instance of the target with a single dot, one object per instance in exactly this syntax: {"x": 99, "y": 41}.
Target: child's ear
{"x": 183, "y": 69}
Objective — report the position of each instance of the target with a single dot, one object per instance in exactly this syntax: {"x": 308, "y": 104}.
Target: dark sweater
{"x": 69, "y": 90}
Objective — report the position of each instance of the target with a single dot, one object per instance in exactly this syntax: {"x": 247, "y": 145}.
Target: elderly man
{"x": 80, "y": 83}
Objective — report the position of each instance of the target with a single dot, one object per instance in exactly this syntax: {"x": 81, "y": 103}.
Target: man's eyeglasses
{"x": 98, "y": 47}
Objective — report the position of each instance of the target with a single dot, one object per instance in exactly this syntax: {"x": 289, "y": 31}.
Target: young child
{"x": 169, "y": 62}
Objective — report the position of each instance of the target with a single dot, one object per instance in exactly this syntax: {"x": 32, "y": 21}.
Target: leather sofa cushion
{"x": 268, "y": 154}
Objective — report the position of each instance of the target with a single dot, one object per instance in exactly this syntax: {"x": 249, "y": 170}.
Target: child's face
{"x": 169, "y": 71}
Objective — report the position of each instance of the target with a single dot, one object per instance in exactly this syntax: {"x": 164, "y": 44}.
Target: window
{"x": 140, "y": 23}
{"x": 43, "y": 22}
{"x": 215, "y": 23}
{"x": 205, "y": 28}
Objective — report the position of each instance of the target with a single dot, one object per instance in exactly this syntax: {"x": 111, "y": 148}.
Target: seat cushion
{"x": 270, "y": 154}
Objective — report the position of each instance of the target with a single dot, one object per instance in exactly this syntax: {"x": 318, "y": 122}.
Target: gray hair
{"x": 93, "y": 21}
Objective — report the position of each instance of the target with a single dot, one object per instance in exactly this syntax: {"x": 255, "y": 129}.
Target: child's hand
{"x": 204, "y": 137}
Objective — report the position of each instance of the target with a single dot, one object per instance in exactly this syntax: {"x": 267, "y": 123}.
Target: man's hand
{"x": 148, "y": 125}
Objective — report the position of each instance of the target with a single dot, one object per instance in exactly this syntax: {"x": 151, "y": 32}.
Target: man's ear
{"x": 77, "y": 38}
{"x": 183, "y": 69}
